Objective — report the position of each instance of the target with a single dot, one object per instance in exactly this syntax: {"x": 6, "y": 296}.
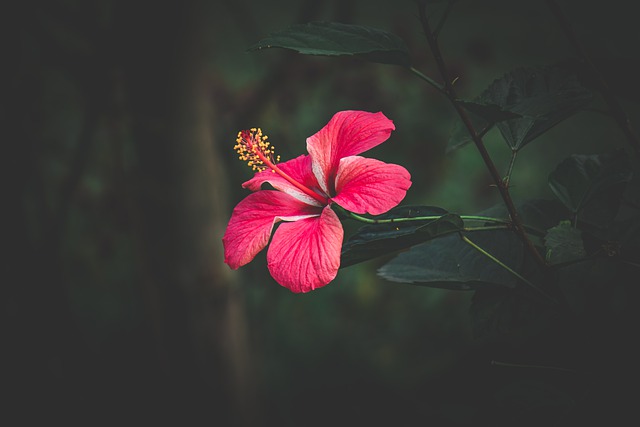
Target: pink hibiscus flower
{"x": 305, "y": 249}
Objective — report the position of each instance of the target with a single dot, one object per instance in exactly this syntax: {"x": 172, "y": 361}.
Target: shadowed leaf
{"x": 540, "y": 97}
{"x": 376, "y": 240}
{"x": 538, "y": 215}
{"x": 592, "y": 185}
{"x": 460, "y": 137}
{"x": 564, "y": 243}
{"x": 492, "y": 113}
{"x": 336, "y": 39}
{"x": 448, "y": 262}
{"x": 543, "y": 96}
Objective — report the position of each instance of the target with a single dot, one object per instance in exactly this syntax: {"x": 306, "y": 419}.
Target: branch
{"x": 495, "y": 175}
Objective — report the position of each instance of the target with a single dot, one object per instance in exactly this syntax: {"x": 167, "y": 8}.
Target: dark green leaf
{"x": 620, "y": 240}
{"x": 336, "y": 39}
{"x": 542, "y": 97}
{"x": 460, "y": 134}
{"x": 537, "y": 215}
{"x": 483, "y": 117}
{"x": 541, "y": 213}
{"x": 448, "y": 262}
{"x": 492, "y": 113}
{"x": 564, "y": 243}
{"x": 376, "y": 240}
{"x": 592, "y": 185}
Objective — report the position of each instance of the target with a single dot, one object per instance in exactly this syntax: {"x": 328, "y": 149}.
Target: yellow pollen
{"x": 252, "y": 147}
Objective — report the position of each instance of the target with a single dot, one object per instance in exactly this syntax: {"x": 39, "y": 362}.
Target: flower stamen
{"x": 252, "y": 147}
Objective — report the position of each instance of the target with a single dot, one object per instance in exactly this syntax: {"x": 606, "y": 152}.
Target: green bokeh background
{"x": 360, "y": 351}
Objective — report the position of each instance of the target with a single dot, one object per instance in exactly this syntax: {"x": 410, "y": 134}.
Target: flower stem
{"x": 501, "y": 224}
{"x": 506, "y": 267}
{"x": 443, "y": 19}
{"x": 429, "y": 80}
{"x": 504, "y": 223}
{"x": 493, "y": 171}
{"x": 486, "y": 228}
{"x": 390, "y": 220}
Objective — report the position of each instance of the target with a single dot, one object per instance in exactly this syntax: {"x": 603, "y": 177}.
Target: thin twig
{"x": 429, "y": 80}
{"x": 506, "y": 267}
{"x": 443, "y": 19}
{"x": 617, "y": 112}
{"x": 503, "y": 222}
{"x": 495, "y": 175}
{"x": 512, "y": 162}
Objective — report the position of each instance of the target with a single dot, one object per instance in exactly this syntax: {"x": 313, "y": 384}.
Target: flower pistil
{"x": 254, "y": 148}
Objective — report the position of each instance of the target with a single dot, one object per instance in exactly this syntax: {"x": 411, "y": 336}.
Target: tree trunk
{"x": 201, "y": 368}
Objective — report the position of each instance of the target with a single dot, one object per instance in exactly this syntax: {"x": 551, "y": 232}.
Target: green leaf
{"x": 538, "y": 215}
{"x": 460, "y": 134}
{"x": 376, "y": 240}
{"x": 541, "y": 97}
{"x": 483, "y": 117}
{"x": 542, "y": 213}
{"x": 592, "y": 185}
{"x": 564, "y": 243}
{"x": 336, "y": 39}
{"x": 448, "y": 262}
{"x": 491, "y": 113}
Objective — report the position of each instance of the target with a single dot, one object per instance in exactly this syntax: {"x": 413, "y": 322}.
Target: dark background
{"x": 119, "y": 122}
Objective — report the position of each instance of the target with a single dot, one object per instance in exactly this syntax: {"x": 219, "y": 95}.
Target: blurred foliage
{"x": 360, "y": 351}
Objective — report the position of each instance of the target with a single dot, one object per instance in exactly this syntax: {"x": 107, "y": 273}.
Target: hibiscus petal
{"x": 253, "y": 219}
{"x": 305, "y": 255}
{"x": 370, "y": 186}
{"x": 348, "y": 133}
{"x": 299, "y": 169}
